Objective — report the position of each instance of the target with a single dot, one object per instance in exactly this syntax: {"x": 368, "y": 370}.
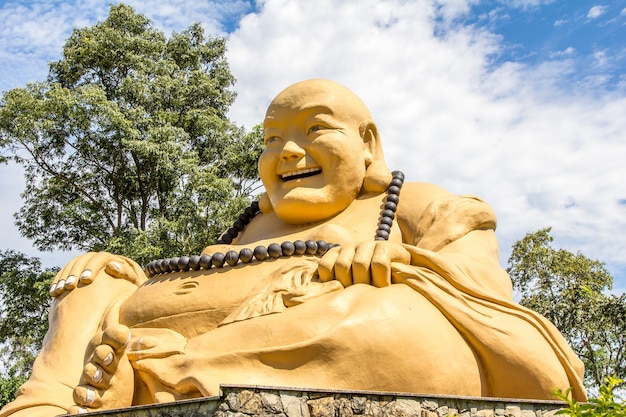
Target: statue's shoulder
{"x": 416, "y": 196}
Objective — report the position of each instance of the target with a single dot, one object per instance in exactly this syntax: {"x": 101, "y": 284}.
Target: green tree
{"x": 24, "y": 303}
{"x": 570, "y": 290}
{"x": 126, "y": 146}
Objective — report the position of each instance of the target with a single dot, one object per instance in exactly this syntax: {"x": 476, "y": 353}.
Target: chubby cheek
{"x": 267, "y": 167}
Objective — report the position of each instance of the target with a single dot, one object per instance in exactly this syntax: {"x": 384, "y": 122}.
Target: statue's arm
{"x": 369, "y": 262}
{"x": 77, "y": 314}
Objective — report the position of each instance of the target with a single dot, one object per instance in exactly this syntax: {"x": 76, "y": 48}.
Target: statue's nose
{"x": 291, "y": 150}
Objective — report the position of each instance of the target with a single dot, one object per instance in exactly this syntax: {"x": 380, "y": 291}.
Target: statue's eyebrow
{"x": 316, "y": 109}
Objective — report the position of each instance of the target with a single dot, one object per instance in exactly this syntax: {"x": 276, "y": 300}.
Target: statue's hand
{"x": 108, "y": 379}
{"x": 367, "y": 263}
{"x": 83, "y": 269}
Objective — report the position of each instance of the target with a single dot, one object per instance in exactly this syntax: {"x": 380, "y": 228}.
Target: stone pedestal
{"x": 264, "y": 401}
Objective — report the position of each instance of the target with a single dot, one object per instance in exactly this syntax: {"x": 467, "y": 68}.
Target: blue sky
{"x": 521, "y": 102}
{"x": 584, "y": 32}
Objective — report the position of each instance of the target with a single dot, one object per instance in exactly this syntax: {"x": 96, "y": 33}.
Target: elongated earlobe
{"x": 264, "y": 204}
{"x": 377, "y": 175}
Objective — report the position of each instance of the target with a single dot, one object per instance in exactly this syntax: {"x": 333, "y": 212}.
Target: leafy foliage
{"x": 569, "y": 289}
{"x": 126, "y": 145}
{"x": 8, "y": 387}
{"x": 604, "y": 405}
{"x": 25, "y": 300}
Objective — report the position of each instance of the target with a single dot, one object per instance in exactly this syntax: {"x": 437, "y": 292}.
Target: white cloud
{"x": 540, "y": 154}
{"x": 596, "y": 11}
{"x": 569, "y": 51}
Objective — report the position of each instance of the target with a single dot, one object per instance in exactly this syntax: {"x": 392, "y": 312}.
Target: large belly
{"x": 366, "y": 338}
{"x": 195, "y": 302}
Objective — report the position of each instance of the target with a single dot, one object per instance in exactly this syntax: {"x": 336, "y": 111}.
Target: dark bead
{"x": 194, "y": 262}
{"x": 156, "y": 266}
{"x": 243, "y": 218}
{"x": 205, "y": 261}
{"x": 274, "y": 250}
{"x": 389, "y": 213}
{"x": 394, "y": 198}
{"x": 232, "y": 257}
{"x": 174, "y": 264}
{"x": 288, "y": 248}
{"x": 322, "y": 247}
{"x": 239, "y": 225}
{"x": 300, "y": 247}
{"x": 183, "y": 263}
{"x": 390, "y": 205}
{"x": 217, "y": 259}
{"x": 260, "y": 253}
{"x": 245, "y": 255}
{"x": 385, "y": 227}
{"x": 397, "y": 182}
{"x": 165, "y": 266}
{"x": 382, "y": 234}
{"x": 398, "y": 174}
{"x": 393, "y": 190}
{"x": 311, "y": 247}
{"x": 386, "y": 220}
{"x": 255, "y": 206}
{"x": 226, "y": 238}
{"x": 148, "y": 270}
{"x": 379, "y": 238}
{"x": 233, "y": 232}
{"x": 251, "y": 212}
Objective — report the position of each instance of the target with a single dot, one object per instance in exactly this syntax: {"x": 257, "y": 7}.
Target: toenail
{"x": 97, "y": 376}
{"x": 90, "y": 396}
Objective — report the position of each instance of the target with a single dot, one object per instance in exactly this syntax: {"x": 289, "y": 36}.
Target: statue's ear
{"x": 377, "y": 175}
{"x": 371, "y": 141}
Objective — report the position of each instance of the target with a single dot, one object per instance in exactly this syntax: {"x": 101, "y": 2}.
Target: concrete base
{"x": 264, "y": 401}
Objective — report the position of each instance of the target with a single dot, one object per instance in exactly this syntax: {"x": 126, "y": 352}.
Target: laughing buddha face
{"x": 318, "y": 143}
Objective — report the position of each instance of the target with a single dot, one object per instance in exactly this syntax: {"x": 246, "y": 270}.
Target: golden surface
{"x": 429, "y": 311}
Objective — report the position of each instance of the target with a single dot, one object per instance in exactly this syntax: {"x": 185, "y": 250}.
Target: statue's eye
{"x": 271, "y": 139}
{"x": 315, "y": 128}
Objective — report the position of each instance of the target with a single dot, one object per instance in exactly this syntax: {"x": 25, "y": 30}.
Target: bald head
{"x": 319, "y": 92}
{"x": 321, "y": 151}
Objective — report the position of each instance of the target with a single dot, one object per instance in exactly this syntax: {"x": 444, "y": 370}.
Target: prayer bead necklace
{"x": 273, "y": 250}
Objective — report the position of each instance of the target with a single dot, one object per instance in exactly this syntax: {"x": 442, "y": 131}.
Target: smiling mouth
{"x": 300, "y": 173}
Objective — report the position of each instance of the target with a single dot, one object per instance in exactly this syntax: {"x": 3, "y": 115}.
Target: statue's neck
{"x": 356, "y": 223}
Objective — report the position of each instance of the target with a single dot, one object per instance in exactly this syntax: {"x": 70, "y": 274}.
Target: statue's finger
{"x": 381, "y": 265}
{"x": 361, "y": 264}
{"x": 120, "y": 268}
{"x": 343, "y": 265}
{"x": 70, "y": 282}
{"x": 326, "y": 266}
{"x": 86, "y": 277}
{"x": 55, "y": 289}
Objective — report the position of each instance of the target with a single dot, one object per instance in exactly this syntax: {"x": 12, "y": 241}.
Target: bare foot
{"x": 107, "y": 380}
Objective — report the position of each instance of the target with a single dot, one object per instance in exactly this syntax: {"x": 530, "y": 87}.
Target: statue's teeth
{"x": 305, "y": 171}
